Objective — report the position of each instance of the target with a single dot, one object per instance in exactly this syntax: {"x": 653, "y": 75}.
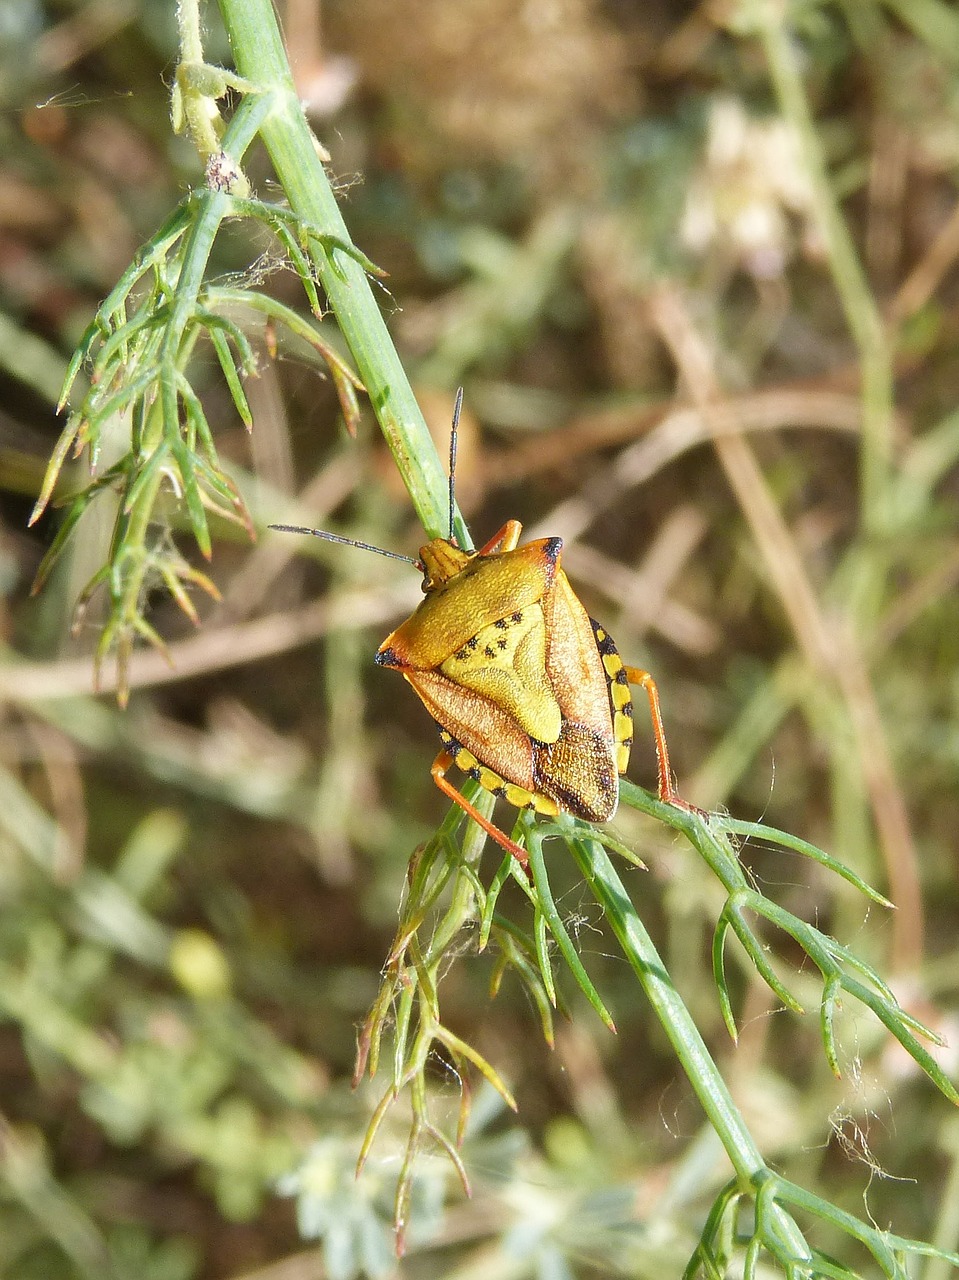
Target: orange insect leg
{"x": 667, "y": 792}
{"x": 507, "y": 539}
{"x": 440, "y": 765}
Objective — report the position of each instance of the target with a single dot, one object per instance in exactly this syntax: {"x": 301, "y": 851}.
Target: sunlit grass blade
{"x": 733, "y": 912}
{"x": 57, "y": 459}
{"x": 549, "y": 915}
{"x": 231, "y": 377}
{"x": 719, "y": 976}
{"x": 461, "y": 1048}
{"x": 761, "y": 832}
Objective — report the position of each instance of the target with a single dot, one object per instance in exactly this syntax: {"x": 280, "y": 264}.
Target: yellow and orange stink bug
{"x": 529, "y": 694}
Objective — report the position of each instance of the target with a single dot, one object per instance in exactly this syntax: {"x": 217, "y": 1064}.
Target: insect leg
{"x": 507, "y": 539}
{"x": 440, "y": 766}
{"x": 667, "y": 792}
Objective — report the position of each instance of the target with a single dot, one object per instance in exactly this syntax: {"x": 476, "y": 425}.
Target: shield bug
{"x": 529, "y": 694}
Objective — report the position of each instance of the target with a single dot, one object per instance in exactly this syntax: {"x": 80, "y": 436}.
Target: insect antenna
{"x": 454, "y": 431}
{"x": 346, "y": 542}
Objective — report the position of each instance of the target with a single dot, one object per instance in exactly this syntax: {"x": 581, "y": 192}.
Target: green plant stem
{"x": 858, "y": 304}
{"x": 683, "y": 1035}
{"x": 188, "y": 26}
{"x": 260, "y": 58}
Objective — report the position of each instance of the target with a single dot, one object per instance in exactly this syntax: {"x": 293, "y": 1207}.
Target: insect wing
{"x": 491, "y": 734}
{"x": 573, "y": 661}
{"x": 580, "y": 770}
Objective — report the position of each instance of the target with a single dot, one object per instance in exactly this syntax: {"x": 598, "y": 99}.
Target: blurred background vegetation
{"x": 708, "y": 330}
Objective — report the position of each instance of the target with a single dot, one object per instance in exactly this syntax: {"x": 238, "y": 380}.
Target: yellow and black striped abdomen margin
{"x": 489, "y": 780}
{"x": 621, "y": 700}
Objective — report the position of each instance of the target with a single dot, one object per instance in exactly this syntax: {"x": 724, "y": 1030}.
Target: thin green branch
{"x": 829, "y": 956}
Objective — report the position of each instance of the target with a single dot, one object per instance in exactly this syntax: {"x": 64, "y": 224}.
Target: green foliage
{"x": 197, "y": 907}
{"x": 138, "y": 350}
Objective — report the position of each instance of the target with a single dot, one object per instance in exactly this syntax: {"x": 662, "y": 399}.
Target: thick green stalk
{"x": 682, "y": 1032}
{"x": 261, "y": 59}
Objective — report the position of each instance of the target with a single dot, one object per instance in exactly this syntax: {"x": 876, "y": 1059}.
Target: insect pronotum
{"x": 529, "y": 693}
